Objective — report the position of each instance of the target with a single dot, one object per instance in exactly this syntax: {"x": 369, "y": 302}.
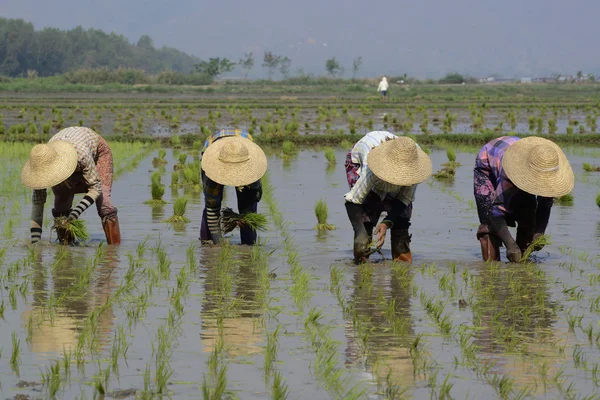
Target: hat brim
{"x": 547, "y": 184}
{"x": 234, "y": 174}
{"x": 55, "y": 173}
{"x": 399, "y": 173}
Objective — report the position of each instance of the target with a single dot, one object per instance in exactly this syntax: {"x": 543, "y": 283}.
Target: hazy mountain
{"x": 426, "y": 38}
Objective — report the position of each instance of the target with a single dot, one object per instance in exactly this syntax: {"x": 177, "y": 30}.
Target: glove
{"x": 500, "y": 229}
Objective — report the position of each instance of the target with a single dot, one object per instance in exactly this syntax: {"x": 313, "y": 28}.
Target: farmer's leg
{"x": 524, "y": 206}
{"x": 213, "y": 195}
{"x": 362, "y": 238}
{"x": 247, "y": 200}
{"x": 400, "y": 235}
{"x": 63, "y": 201}
{"x": 106, "y": 210}
{"x": 484, "y": 199}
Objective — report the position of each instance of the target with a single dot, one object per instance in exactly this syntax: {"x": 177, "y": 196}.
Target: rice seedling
{"x": 73, "y": 229}
{"x": 598, "y": 199}
{"x": 231, "y": 220}
{"x": 157, "y": 190}
{"x": 322, "y": 213}
{"x": 161, "y": 158}
{"x": 590, "y": 168}
{"x": 288, "y": 148}
{"x": 175, "y": 141}
{"x": 15, "y": 356}
{"x": 445, "y": 174}
{"x": 179, "y": 208}
{"x": 566, "y": 200}
{"x": 330, "y": 155}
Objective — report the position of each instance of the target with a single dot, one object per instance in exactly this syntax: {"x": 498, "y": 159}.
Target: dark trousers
{"x": 246, "y": 200}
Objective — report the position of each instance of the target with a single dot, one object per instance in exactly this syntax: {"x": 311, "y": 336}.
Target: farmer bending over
{"x": 75, "y": 160}
{"x": 515, "y": 182}
{"x": 386, "y": 183}
{"x": 230, "y": 158}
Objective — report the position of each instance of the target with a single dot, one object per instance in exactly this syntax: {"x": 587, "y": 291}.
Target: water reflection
{"x": 230, "y": 298}
{"x": 515, "y": 319}
{"x": 61, "y": 303}
{"x": 381, "y": 300}
{"x": 158, "y": 213}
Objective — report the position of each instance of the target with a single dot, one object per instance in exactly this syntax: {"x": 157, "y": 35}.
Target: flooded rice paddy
{"x": 162, "y": 315}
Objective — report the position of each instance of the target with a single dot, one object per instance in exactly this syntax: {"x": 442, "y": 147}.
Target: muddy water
{"x": 529, "y": 304}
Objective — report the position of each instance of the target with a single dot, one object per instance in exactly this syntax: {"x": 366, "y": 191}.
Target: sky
{"x": 422, "y": 38}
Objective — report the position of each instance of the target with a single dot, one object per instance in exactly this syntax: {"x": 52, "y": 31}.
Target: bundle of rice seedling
{"x": 75, "y": 229}
{"x": 541, "y": 241}
{"x": 157, "y": 190}
{"x": 231, "y": 220}
{"x": 321, "y": 212}
{"x": 566, "y": 200}
{"x": 179, "y": 208}
{"x": 452, "y": 163}
{"x": 289, "y": 148}
{"x": 330, "y": 155}
{"x": 445, "y": 174}
{"x": 181, "y": 165}
{"x": 590, "y": 168}
{"x": 161, "y": 158}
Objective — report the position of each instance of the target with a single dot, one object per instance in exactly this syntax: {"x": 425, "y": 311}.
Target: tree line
{"x": 51, "y": 51}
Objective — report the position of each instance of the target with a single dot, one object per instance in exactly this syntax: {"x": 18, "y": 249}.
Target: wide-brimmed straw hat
{"x": 49, "y": 164}
{"x": 234, "y": 161}
{"x": 538, "y": 166}
{"x": 400, "y": 162}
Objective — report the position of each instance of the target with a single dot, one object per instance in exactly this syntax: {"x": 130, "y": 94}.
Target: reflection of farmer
{"x": 515, "y": 181}
{"x": 60, "y": 332}
{"x": 75, "y": 160}
{"x": 383, "y": 88}
{"x": 230, "y": 158}
{"x": 386, "y": 183}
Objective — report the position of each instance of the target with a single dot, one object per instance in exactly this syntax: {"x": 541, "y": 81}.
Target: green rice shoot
{"x": 451, "y": 154}
{"x": 179, "y": 208}
{"x": 322, "y": 213}
{"x": 231, "y": 220}
{"x": 75, "y": 229}
{"x": 445, "y": 174}
{"x": 289, "y": 148}
{"x": 157, "y": 189}
{"x": 330, "y": 155}
{"x": 566, "y": 200}
{"x": 598, "y": 199}
{"x": 542, "y": 240}
{"x": 182, "y": 158}
{"x": 591, "y": 168}
{"x": 161, "y": 158}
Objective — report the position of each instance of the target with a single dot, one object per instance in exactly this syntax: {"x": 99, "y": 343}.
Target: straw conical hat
{"x": 538, "y": 166}
{"x": 234, "y": 161}
{"x": 400, "y": 162}
{"x": 49, "y": 164}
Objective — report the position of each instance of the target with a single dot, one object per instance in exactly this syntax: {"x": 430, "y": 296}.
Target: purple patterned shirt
{"x": 498, "y": 186}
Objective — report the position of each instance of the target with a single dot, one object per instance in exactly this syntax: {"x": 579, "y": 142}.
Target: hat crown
{"x": 234, "y": 152}
{"x": 41, "y": 156}
{"x": 544, "y": 158}
{"x": 403, "y": 149}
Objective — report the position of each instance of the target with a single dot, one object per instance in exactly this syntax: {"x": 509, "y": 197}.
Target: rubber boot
{"x": 112, "y": 230}
{"x": 64, "y": 237}
{"x": 401, "y": 246}
{"x": 490, "y": 251}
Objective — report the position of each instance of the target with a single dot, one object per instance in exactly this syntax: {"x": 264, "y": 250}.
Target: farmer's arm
{"x": 37, "y": 214}
{"x": 213, "y": 195}
{"x": 92, "y": 177}
{"x": 361, "y": 189}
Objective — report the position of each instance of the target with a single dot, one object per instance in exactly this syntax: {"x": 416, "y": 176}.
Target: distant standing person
{"x": 230, "y": 158}
{"x": 383, "y": 88}
{"x": 515, "y": 182}
{"x": 75, "y": 160}
{"x": 383, "y": 171}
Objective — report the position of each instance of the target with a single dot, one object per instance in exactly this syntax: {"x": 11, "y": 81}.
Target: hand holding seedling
{"x": 380, "y": 232}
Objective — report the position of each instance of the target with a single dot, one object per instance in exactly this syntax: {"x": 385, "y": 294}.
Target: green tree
{"x": 145, "y": 42}
{"x": 452, "y": 78}
{"x": 215, "y": 66}
{"x": 284, "y": 67}
{"x": 247, "y": 63}
{"x": 356, "y": 64}
{"x": 271, "y": 62}
{"x": 333, "y": 67}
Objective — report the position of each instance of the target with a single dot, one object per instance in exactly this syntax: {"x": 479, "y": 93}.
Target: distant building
{"x": 526, "y": 80}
